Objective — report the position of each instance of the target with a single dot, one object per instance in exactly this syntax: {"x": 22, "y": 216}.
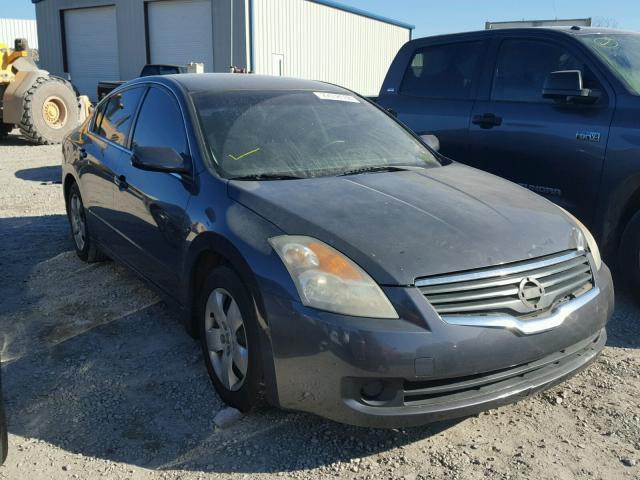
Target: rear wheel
{"x": 229, "y": 338}
{"x": 85, "y": 247}
{"x": 51, "y": 111}
{"x": 630, "y": 255}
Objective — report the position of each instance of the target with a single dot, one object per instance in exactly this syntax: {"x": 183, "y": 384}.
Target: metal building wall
{"x": 12, "y": 28}
{"x": 320, "y": 42}
{"x": 131, "y": 33}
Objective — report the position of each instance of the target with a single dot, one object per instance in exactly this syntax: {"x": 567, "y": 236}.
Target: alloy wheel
{"x": 226, "y": 339}
{"x": 78, "y": 226}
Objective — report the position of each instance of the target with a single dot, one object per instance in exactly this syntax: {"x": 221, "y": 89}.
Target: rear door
{"x": 104, "y": 150}
{"x": 438, "y": 90}
{"x": 554, "y": 149}
{"x": 152, "y": 219}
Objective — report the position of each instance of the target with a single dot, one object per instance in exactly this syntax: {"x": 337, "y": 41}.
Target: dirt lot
{"x": 100, "y": 381}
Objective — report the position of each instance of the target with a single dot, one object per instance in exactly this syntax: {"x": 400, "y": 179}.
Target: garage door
{"x": 180, "y": 31}
{"x": 92, "y": 47}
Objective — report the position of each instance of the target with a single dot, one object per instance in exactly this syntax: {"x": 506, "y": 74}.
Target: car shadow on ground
{"x": 136, "y": 391}
{"x": 51, "y": 174}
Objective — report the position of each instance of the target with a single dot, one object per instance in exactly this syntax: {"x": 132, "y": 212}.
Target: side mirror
{"x": 431, "y": 141}
{"x": 566, "y": 86}
{"x": 159, "y": 159}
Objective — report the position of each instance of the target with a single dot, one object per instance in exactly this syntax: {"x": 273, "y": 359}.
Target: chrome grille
{"x": 499, "y": 289}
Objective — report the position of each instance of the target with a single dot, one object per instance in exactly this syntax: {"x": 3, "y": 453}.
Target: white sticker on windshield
{"x": 338, "y": 97}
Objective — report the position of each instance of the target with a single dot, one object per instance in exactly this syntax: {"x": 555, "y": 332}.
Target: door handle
{"x": 487, "y": 120}
{"x": 121, "y": 182}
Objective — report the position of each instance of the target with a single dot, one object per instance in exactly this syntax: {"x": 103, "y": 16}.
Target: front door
{"x": 152, "y": 218}
{"x": 438, "y": 91}
{"x": 554, "y": 149}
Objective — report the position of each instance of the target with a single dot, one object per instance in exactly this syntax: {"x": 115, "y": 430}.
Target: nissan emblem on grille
{"x": 531, "y": 293}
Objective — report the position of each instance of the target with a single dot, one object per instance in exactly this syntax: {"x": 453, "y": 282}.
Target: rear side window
{"x": 114, "y": 117}
{"x": 523, "y": 66}
{"x": 443, "y": 71}
{"x": 160, "y": 123}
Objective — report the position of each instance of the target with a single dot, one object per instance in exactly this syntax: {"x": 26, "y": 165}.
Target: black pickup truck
{"x": 107, "y": 86}
{"x": 553, "y": 109}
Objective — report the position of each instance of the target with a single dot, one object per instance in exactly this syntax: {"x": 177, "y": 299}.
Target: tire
{"x": 630, "y": 255}
{"x": 222, "y": 337}
{"x": 85, "y": 246}
{"x": 50, "y": 112}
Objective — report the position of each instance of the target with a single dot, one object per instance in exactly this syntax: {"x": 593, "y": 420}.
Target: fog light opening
{"x": 372, "y": 390}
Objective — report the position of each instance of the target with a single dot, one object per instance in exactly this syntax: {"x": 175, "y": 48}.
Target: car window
{"x": 302, "y": 133}
{"x": 523, "y": 66}
{"x": 160, "y": 123}
{"x": 621, "y": 52}
{"x": 443, "y": 71}
{"x": 113, "y": 119}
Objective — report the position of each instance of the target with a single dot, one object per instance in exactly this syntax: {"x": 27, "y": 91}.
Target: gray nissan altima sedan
{"x": 326, "y": 257}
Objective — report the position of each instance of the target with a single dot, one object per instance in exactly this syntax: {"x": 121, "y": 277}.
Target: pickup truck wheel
{"x": 230, "y": 338}
{"x": 630, "y": 255}
{"x": 85, "y": 246}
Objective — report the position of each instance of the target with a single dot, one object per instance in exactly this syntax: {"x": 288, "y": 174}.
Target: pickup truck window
{"x": 443, "y": 71}
{"x": 113, "y": 118}
{"x": 621, "y": 52}
{"x": 523, "y": 66}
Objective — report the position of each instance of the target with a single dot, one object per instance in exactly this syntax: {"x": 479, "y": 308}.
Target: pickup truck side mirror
{"x": 566, "y": 86}
{"x": 159, "y": 159}
{"x": 431, "y": 141}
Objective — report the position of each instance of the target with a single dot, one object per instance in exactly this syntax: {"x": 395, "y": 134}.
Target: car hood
{"x": 399, "y": 226}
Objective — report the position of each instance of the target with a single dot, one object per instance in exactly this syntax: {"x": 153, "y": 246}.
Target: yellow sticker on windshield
{"x": 239, "y": 157}
{"x": 338, "y": 97}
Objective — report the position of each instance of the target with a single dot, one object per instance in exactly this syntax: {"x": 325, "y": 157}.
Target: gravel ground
{"x": 101, "y": 381}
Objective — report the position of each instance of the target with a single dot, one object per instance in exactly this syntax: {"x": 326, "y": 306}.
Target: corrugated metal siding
{"x": 131, "y": 33}
{"x": 12, "y": 28}
{"x": 324, "y": 43}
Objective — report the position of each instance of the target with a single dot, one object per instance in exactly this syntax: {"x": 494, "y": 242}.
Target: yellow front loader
{"x": 44, "y": 107}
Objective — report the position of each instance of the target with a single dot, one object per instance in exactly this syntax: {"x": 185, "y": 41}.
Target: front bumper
{"x": 419, "y": 369}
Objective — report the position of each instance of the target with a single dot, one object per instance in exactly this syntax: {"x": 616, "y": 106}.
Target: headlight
{"x": 328, "y": 280}
{"x": 592, "y": 246}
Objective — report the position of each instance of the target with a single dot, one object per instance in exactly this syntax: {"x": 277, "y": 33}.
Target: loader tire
{"x": 50, "y": 112}
{"x": 5, "y": 128}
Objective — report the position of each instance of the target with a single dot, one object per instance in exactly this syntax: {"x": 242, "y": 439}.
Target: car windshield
{"x": 301, "y": 134}
{"x": 621, "y": 51}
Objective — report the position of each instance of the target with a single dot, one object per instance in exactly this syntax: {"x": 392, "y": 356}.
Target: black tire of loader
{"x": 33, "y": 125}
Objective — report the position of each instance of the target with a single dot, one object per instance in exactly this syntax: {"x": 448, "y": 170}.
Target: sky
{"x": 433, "y": 17}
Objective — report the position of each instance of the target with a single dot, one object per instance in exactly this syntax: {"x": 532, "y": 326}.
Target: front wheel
{"x": 630, "y": 255}
{"x": 229, "y": 337}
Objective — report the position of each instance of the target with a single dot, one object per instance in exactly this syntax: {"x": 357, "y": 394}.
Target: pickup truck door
{"x": 554, "y": 149}
{"x": 437, "y": 88}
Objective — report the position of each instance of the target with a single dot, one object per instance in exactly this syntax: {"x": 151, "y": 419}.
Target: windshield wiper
{"x": 378, "y": 168}
{"x": 267, "y": 176}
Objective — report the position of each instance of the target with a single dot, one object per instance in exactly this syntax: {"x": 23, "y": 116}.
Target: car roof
{"x": 224, "y": 82}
